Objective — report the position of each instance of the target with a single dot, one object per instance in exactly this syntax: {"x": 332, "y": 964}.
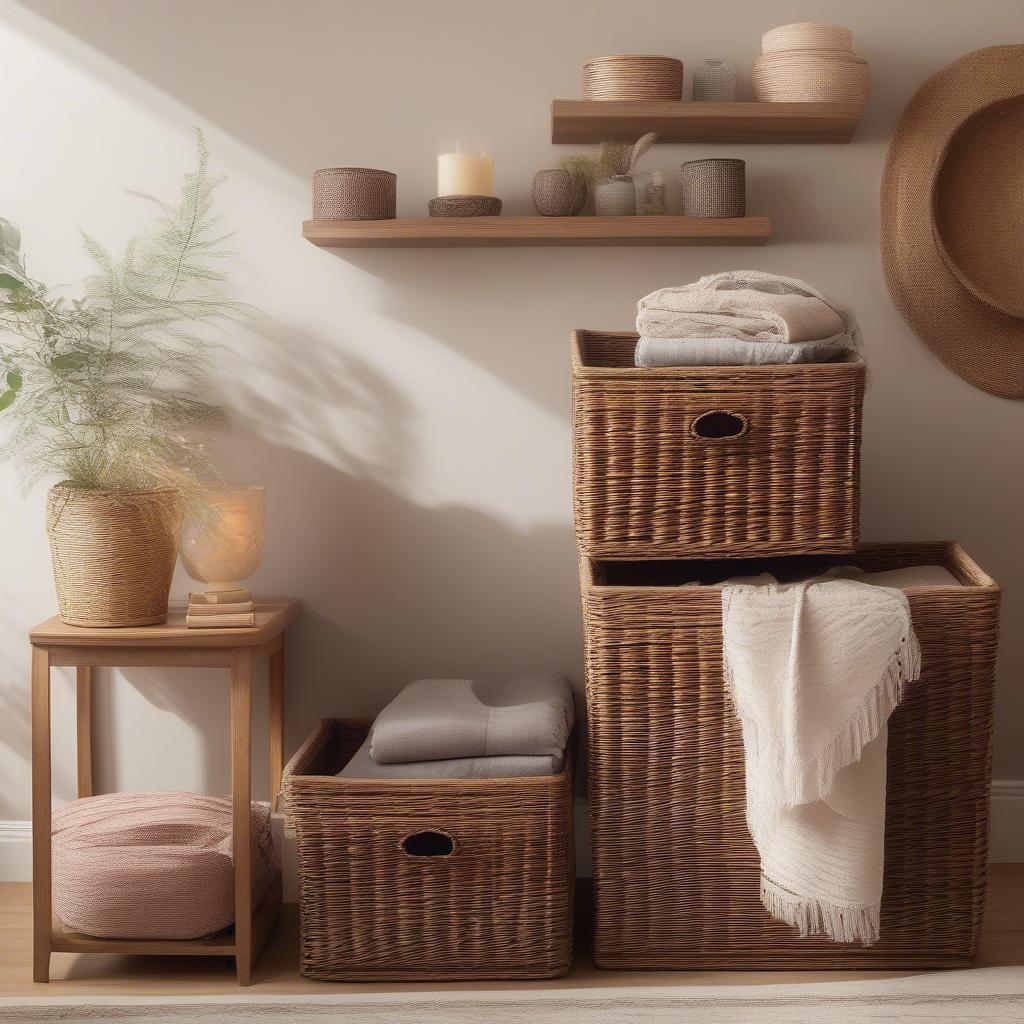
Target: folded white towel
{"x": 653, "y": 352}
{"x": 814, "y": 669}
{"x": 746, "y": 304}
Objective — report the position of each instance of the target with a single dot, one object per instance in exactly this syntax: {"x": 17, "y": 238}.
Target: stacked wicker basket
{"x": 677, "y": 473}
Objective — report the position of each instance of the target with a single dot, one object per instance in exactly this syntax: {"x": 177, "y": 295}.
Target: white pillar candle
{"x": 465, "y": 171}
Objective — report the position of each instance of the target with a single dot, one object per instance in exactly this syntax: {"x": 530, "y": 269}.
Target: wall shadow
{"x": 391, "y": 589}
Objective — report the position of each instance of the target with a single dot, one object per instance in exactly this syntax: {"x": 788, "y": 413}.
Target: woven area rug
{"x": 983, "y": 995}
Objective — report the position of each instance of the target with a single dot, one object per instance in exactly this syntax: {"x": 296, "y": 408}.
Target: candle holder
{"x": 465, "y": 167}
{"x": 464, "y": 206}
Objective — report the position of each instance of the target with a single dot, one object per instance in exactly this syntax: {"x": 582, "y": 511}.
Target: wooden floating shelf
{"x": 424, "y": 232}
{"x": 685, "y": 121}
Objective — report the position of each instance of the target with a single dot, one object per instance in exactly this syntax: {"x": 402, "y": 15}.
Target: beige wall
{"x": 408, "y": 411}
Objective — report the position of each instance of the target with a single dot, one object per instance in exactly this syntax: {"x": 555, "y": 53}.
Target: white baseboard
{"x": 1007, "y": 838}
{"x": 15, "y": 851}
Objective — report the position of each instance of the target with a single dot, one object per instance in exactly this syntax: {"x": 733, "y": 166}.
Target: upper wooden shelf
{"x": 685, "y": 121}
{"x": 421, "y": 232}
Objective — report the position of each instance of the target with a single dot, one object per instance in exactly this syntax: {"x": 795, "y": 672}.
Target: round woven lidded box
{"x": 113, "y": 553}
{"x": 810, "y": 62}
{"x": 714, "y": 188}
{"x": 633, "y": 77}
{"x": 354, "y": 193}
{"x": 807, "y": 35}
{"x": 464, "y": 206}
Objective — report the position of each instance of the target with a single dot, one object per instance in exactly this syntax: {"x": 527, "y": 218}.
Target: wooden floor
{"x": 277, "y": 972}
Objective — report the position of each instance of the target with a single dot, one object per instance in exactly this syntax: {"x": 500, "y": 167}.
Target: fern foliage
{"x": 112, "y": 390}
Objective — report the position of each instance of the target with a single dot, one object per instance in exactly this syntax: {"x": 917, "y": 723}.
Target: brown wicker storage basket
{"x": 498, "y": 905}
{"x": 675, "y": 871}
{"x": 652, "y": 480}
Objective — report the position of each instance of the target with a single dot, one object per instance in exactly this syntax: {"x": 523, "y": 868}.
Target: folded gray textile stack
{"x": 741, "y": 318}
{"x": 469, "y": 729}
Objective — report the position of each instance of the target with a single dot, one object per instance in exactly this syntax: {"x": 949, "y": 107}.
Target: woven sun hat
{"x": 952, "y": 206}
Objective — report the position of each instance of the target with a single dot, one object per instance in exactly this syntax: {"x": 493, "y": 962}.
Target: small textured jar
{"x": 354, "y": 193}
{"x": 557, "y": 194}
{"x": 714, "y": 81}
{"x": 615, "y": 197}
{"x": 714, "y": 188}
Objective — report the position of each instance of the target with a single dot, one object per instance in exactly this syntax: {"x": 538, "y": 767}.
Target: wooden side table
{"x": 168, "y": 645}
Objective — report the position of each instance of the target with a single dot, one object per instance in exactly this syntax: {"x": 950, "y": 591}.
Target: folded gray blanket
{"x": 652, "y": 352}
{"x": 363, "y": 766}
{"x": 442, "y": 719}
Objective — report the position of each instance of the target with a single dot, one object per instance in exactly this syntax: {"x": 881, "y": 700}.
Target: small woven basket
{"x": 633, "y": 77}
{"x": 354, "y": 193}
{"x": 428, "y": 879}
{"x": 557, "y": 194}
{"x": 714, "y": 188}
{"x": 113, "y": 553}
{"x": 464, "y": 206}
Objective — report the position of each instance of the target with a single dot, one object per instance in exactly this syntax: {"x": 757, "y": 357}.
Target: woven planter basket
{"x": 354, "y": 193}
{"x": 633, "y": 77}
{"x": 557, "y": 194}
{"x": 495, "y": 901}
{"x": 675, "y": 870}
{"x": 113, "y": 553}
{"x": 713, "y": 188}
{"x": 656, "y": 474}
{"x": 807, "y": 35}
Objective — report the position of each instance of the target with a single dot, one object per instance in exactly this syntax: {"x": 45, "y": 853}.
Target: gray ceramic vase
{"x": 615, "y": 197}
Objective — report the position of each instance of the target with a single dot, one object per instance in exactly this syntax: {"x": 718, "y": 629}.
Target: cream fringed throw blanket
{"x": 814, "y": 669}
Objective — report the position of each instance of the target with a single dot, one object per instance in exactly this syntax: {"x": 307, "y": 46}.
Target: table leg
{"x": 241, "y": 794}
{"x": 42, "y": 907}
{"x": 276, "y": 716}
{"x": 83, "y": 675}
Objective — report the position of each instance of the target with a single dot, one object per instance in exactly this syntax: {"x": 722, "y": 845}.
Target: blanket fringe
{"x": 864, "y": 725}
{"x": 819, "y": 917}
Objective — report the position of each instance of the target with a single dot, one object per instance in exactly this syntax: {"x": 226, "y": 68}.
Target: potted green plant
{"x": 108, "y": 393}
{"x": 608, "y": 176}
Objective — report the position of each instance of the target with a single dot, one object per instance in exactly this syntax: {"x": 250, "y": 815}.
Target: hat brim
{"x": 978, "y": 342}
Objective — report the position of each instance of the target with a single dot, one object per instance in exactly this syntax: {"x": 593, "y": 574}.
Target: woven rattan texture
{"x": 557, "y": 194}
{"x": 354, "y": 193}
{"x": 464, "y": 206}
{"x": 713, "y": 188}
{"x": 633, "y": 77}
{"x": 811, "y": 76}
{"x": 645, "y": 488}
{"x": 113, "y": 554}
{"x": 675, "y": 871}
{"x": 499, "y": 907}
{"x": 807, "y": 35}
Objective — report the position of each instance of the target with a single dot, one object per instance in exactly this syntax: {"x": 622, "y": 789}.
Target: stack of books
{"x": 217, "y": 609}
